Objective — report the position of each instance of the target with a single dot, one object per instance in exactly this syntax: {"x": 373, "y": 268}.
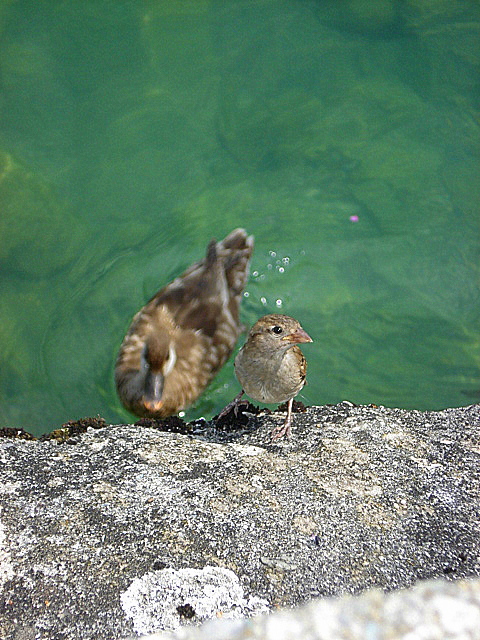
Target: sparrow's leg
{"x": 232, "y": 405}
{"x": 285, "y": 428}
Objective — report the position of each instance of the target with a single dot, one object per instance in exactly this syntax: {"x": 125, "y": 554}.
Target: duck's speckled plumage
{"x": 181, "y": 338}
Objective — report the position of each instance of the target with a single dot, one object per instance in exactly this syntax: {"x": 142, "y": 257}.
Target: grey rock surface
{"x": 127, "y": 530}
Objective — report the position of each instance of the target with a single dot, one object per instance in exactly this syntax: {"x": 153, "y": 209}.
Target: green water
{"x": 344, "y": 135}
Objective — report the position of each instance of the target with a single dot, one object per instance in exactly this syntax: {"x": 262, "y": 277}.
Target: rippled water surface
{"x": 343, "y": 135}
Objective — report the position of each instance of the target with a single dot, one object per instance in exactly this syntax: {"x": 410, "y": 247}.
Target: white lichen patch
{"x": 162, "y": 599}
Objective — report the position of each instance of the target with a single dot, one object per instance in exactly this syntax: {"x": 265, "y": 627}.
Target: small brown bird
{"x": 180, "y": 339}
{"x": 270, "y": 367}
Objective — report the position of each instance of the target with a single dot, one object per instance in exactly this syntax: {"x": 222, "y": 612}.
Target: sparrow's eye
{"x": 277, "y": 330}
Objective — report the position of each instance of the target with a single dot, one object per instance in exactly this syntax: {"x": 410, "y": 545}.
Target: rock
{"x": 118, "y": 530}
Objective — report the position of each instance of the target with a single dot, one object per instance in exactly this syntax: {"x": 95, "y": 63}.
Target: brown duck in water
{"x": 180, "y": 339}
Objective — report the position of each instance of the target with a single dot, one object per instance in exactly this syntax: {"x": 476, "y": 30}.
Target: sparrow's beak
{"x": 152, "y": 398}
{"x": 298, "y": 336}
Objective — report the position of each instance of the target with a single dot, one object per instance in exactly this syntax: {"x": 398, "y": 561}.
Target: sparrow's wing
{"x": 302, "y": 364}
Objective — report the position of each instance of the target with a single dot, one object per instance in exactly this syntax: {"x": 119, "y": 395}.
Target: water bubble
{"x": 279, "y": 302}
{"x": 286, "y": 260}
{"x": 281, "y": 270}
{"x": 273, "y": 253}
{"x": 255, "y": 274}
{"x": 245, "y": 294}
{"x": 269, "y": 267}
{"x": 263, "y": 300}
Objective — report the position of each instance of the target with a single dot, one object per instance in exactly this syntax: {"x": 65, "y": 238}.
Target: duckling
{"x": 183, "y": 336}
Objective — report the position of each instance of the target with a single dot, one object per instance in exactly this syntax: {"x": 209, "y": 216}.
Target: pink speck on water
{"x": 353, "y": 218}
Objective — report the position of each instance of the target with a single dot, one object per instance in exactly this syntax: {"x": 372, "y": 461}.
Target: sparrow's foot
{"x": 281, "y": 431}
{"x": 233, "y": 405}
{"x": 285, "y": 429}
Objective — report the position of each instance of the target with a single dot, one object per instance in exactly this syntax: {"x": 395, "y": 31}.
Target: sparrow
{"x": 270, "y": 367}
{"x": 181, "y": 338}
